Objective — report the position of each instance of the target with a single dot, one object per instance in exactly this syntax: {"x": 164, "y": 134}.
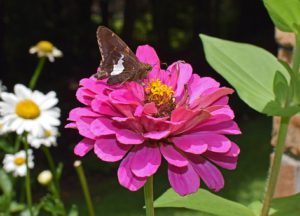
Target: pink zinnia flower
{"x": 173, "y": 114}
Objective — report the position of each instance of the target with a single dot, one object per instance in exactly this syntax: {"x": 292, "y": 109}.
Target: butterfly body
{"x": 118, "y": 63}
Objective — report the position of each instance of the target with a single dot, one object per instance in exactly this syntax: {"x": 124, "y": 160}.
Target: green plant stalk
{"x": 275, "y": 167}
{"x": 296, "y": 55}
{"x": 80, "y": 172}
{"x": 17, "y": 143}
{"x": 52, "y": 168}
{"x": 148, "y": 196}
{"x": 53, "y": 189}
{"x": 37, "y": 72}
{"x": 27, "y": 180}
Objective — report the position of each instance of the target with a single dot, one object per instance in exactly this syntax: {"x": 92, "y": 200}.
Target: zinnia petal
{"x": 146, "y": 160}
{"x": 184, "y": 180}
{"x": 83, "y": 147}
{"x": 227, "y": 160}
{"x": 125, "y": 176}
{"x": 212, "y": 177}
{"x": 147, "y": 54}
{"x": 102, "y": 126}
{"x": 108, "y": 149}
{"x": 129, "y": 137}
{"x": 172, "y": 155}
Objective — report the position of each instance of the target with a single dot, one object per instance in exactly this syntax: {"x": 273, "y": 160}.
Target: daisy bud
{"x": 45, "y": 177}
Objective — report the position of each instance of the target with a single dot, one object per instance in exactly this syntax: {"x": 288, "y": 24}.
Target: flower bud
{"x": 45, "y": 177}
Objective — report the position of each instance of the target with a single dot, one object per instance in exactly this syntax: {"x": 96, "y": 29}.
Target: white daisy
{"x": 48, "y": 138}
{"x": 2, "y": 87}
{"x": 46, "y": 49}
{"x": 27, "y": 110}
{"x": 16, "y": 163}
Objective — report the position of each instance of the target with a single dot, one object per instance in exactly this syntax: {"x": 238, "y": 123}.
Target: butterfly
{"x": 118, "y": 63}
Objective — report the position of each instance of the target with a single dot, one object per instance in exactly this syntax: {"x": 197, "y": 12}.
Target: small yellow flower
{"x": 46, "y": 49}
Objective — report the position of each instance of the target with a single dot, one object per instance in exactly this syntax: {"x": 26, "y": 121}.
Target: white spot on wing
{"x": 119, "y": 67}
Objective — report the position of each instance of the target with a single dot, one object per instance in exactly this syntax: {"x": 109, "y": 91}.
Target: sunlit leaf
{"x": 73, "y": 211}
{"x": 285, "y": 14}
{"x": 251, "y": 71}
{"x": 203, "y": 201}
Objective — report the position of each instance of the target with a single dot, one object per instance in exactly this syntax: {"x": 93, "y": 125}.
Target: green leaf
{"x": 16, "y": 207}
{"x": 5, "y": 183}
{"x": 203, "y": 201}
{"x": 251, "y": 71}
{"x": 285, "y": 14}
{"x": 294, "y": 85}
{"x": 256, "y": 206}
{"x": 280, "y": 88}
{"x": 6, "y": 146}
{"x": 73, "y": 211}
{"x": 4, "y": 203}
{"x": 59, "y": 170}
{"x": 286, "y": 206}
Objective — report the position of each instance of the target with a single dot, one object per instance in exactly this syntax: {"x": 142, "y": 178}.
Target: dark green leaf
{"x": 203, "y": 201}
{"x": 285, "y": 14}
{"x": 280, "y": 88}
{"x": 6, "y": 146}
{"x": 294, "y": 85}
{"x": 59, "y": 170}
{"x": 287, "y": 206}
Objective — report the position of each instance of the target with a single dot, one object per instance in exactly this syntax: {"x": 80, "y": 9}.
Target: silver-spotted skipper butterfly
{"x": 118, "y": 63}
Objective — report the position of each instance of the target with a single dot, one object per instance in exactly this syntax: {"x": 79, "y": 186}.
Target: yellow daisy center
{"x": 45, "y": 46}
{"x": 27, "y": 109}
{"x": 159, "y": 93}
{"x": 19, "y": 161}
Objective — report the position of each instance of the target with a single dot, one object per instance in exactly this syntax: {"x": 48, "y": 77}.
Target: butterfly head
{"x": 147, "y": 67}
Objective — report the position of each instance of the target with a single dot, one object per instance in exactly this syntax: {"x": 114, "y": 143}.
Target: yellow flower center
{"x": 19, "y": 161}
{"x": 27, "y": 109}
{"x": 45, "y": 46}
{"x": 159, "y": 93}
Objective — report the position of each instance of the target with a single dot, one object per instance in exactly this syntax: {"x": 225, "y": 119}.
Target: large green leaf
{"x": 285, "y": 14}
{"x": 286, "y": 206}
{"x": 203, "y": 201}
{"x": 251, "y": 71}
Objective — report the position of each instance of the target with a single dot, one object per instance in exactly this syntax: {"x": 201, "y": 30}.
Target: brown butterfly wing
{"x": 118, "y": 62}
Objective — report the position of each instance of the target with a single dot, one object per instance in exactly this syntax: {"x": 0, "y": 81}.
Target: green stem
{"x": 37, "y": 72}
{"x": 17, "y": 143}
{"x": 296, "y": 55}
{"x": 27, "y": 180}
{"x": 148, "y": 196}
{"x": 56, "y": 194}
{"x": 275, "y": 167}
{"x": 84, "y": 186}
{"x": 52, "y": 167}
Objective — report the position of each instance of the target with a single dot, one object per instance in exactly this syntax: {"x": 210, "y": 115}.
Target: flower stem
{"x": 27, "y": 180}
{"x": 80, "y": 172}
{"x": 275, "y": 166}
{"x": 148, "y": 196}
{"x": 37, "y": 72}
{"x": 52, "y": 168}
